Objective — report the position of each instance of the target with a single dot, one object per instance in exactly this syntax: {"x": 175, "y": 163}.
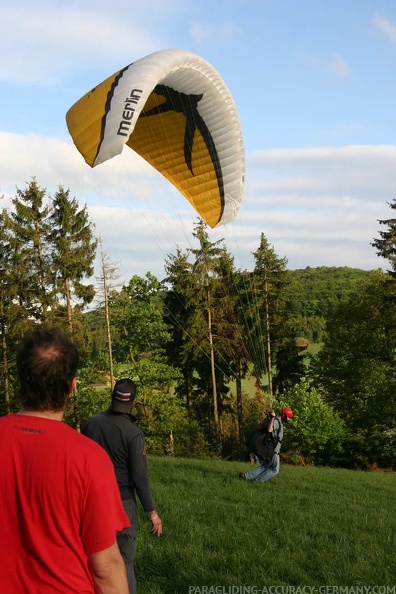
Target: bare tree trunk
{"x": 267, "y": 324}
{"x": 108, "y": 281}
{"x": 69, "y": 308}
{"x": 42, "y": 283}
{"x": 5, "y": 367}
{"x": 107, "y": 316}
{"x": 189, "y": 398}
{"x": 239, "y": 410}
{"x": 109, "y": 345}
{"x": 213, "y": 371}
{"x": 76, "y": 404}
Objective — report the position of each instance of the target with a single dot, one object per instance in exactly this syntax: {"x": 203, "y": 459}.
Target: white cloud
{"x": 140, "y": 238}
{"x": 360, "y": 171}
{"x": 64, "y": 38}
{"x": 54, "y": 161}
{"x": 339, "y": 66}
{"x": 386, "y": 26}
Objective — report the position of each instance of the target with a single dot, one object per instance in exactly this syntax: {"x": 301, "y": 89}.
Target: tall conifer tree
{"x": 7, "y": 304}
{"x": 28, "y": 226}
{"x": 73, "y": 252}
{"x": 205, "y": 270}
{"x": 178, "y": 315}
{"x": 268, "y": 306}
{"x": 386, "y": 243}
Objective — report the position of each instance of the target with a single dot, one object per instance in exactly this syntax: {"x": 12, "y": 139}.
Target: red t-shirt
{"x": 59, "y": 503}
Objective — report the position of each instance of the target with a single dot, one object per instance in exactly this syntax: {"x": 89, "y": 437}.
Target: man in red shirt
{"x": 60, "y": 508}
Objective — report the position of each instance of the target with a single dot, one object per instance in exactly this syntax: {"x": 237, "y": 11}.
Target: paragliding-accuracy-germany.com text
{"x": 292, "y": 589}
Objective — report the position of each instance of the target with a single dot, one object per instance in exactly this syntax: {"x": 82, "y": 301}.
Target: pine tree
{"x": 73, "y": 253}
{"x": 229, "y": 326}
{"x": 28, "y": 233}
{"x": 386, "y": 245}
{"x": 268, "y": 307}
{"x": 7, "y": 299}
{"x": 194, "y": 332}
{"x": 178, "y": 315}
{"x": 205, "y": 270}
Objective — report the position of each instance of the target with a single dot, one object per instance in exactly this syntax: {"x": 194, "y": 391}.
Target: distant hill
{"x": 313, "y": 293}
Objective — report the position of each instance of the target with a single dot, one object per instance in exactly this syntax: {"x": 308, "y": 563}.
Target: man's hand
{"x": 270, "y": 427}
{"x": 156, "y": 523}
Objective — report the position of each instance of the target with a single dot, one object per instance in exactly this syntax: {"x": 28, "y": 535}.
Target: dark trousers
{"x": 126, "y": 540}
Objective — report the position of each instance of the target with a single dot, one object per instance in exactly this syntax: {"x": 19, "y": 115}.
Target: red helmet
{"x": 288, "y": 413}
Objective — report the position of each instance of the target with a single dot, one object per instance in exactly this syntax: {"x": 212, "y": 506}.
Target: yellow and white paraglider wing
{"x": 174, "y": 110}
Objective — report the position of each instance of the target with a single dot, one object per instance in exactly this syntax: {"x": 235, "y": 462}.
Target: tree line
{"x": 315, "y": 293}
{"x": 194, "y": 339}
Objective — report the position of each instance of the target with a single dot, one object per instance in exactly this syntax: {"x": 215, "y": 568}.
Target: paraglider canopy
{"x": 174, "y": 110}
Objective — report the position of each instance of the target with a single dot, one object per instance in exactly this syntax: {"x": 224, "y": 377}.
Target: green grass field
{"x": 249, "y": 382}
{"x": 307, "y": 527}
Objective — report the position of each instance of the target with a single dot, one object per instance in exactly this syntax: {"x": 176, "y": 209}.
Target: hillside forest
{"x": 211, "y": 347}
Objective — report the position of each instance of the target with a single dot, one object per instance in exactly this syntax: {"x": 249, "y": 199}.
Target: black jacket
{"x": 124, "y": 442}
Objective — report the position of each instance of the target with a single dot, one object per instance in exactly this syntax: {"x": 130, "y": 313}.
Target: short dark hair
{"x": 47, "y": 362}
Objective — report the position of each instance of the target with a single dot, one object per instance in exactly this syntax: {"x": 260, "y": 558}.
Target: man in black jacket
{"x": 116, "y": 432}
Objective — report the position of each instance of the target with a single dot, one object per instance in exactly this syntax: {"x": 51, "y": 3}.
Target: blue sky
{"x": 314, "y": 83}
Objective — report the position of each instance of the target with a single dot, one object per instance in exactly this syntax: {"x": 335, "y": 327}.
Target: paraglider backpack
{"x": 263, "y": 444}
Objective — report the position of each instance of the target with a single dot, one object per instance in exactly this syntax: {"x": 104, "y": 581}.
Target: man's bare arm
{"x": 108, "y": 571}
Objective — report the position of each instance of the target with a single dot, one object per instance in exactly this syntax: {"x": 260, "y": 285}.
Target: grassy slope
{"x": 309, "y": 526}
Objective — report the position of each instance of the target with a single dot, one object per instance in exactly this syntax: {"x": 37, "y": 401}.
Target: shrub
{"x": 316, "y": 431}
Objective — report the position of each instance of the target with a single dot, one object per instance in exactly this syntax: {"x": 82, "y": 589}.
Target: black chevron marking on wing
{"x": 187, "y": 104}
